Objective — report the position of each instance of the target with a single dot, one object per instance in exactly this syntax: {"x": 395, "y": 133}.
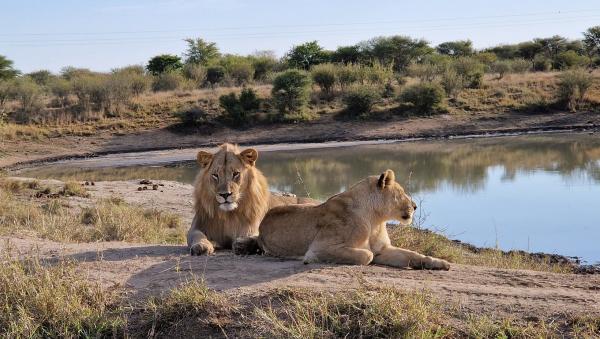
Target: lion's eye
{"x": 215, "y": 176}
{"x": 236, "y": 174}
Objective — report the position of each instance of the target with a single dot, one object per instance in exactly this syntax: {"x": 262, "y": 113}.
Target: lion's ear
{"x": 386, "y": 178}
{"x": 249, "y": 156}
{"x": 204, "y": 158}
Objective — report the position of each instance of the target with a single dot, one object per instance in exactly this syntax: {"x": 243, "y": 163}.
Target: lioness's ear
{"x": 204, "y": 158}
{"x": 249, "y": 156}
{"x": 386, "y": 178}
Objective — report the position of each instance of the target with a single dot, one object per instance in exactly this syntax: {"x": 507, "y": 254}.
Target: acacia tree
{"x": 306, "y": 55}
{"x": 164, "y": 63}
{"x": 6, "y": 69}
{"x": 397, "y": 50}
{"x": 456, "y": 48}
{"x": 201, "y": 52}
{"x": 591, "y": 40}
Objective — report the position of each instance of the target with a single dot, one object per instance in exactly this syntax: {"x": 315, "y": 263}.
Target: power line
{"x": 104, "y": 41}
{"x": 304, "y": 25}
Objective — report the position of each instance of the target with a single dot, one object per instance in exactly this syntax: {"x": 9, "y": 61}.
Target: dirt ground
{"x": 330, "y": 129}
{"x": 144, "y": 270}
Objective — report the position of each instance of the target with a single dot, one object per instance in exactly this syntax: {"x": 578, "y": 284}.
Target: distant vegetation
{"x": 396, "y": 74}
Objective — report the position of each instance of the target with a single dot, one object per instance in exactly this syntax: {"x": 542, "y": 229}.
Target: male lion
{"x": 231, "y": 198}
{"x": 349, "y": 228}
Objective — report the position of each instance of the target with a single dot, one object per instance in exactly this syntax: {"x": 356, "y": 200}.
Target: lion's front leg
{"x": 399, "y": 257}
{"x": 197, "y": 241}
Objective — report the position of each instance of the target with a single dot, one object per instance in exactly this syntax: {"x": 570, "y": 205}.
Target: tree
{"x": 347, "y": 54}
{"x": 306, "y": 55}
{"x": 504, "y": 51}
{"x": 164, "y": 63}
{"x": 6, "y": 69}
{"x": 397, "y": 50}
{"x": 553, "y": 45}
{"x": 529, "y": 49}
{"x": 591, "y": 40}
{"x": 201, "y": 52}
{"x": 41, "y": 77}
{"x": 456, "y": 48}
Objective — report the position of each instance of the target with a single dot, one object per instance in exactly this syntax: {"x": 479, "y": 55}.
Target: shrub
{"x": 135, "y": 78}
{"x": 324, "y": 76}
{"x": 452, "y": 83}
{"x": 195, "y": 73}
{"x": 426, "y": 71}
{"x": 241, "y": 72}
{"x": 215, "y": 74}
{"x": 41, "y": 77}
{"x": 263, "y": 65}
{"x": 569, "y": 59}
{"x": 347, "y": 75}
{"x": 167, "y": 82}
{"x": 28, "y": 94}
{"x": 360, "y": 99}
{"x": 378, "y": 74}
{"x": 193, "y": 117}
{"x": 541, "y": 64}
{"x": 90, "y": 93}
{"x": 424, "y": 97}
{"x": 249, "y": 100}
{"x": 291, "y": 91}
{"x": 520, "y": 65}
{"x": 471, "y": 70}
{"x": 5, "y": 92}
{"x": 501, "y": 67}
{"x": 572, "y": 87}
{"x": 235, "y": 111}
{"x": 164, "y": 63}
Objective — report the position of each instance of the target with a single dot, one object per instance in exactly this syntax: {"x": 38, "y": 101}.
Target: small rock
{"x": 154, "y": 187}
{"x": 87, "y": 183}
{"x": 145, "y": 182}
{"x": 139, "y": 188}
{"x": 93, "y": 183}
{"x": 145, "y": 188}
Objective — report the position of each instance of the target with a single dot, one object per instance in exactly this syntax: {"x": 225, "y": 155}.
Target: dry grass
{"x": 74, "y": 189}
{"x": 105, "y": 220}
{"x": 40, "y": 301}
{"x": 436, "y": 245}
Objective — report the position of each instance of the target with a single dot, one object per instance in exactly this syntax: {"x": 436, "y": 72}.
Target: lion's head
{"x": 226, "y": 175}
{"x": 396, "y": 203}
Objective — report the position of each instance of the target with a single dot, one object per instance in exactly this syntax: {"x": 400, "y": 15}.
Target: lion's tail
{"x": 247, "y": 246}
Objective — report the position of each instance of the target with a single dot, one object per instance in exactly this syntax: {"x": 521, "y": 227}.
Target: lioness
{"x": 349, "y": 228}
{"x": 231, "y": 198}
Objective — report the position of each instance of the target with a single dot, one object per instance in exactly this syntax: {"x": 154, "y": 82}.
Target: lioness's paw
{"x": 202, "y": 248}
{"x": 439, "y": 264}
{"x": 246, "y": 246}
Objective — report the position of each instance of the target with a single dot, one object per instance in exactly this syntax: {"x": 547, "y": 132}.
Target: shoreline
{"x": 317, "y": 142}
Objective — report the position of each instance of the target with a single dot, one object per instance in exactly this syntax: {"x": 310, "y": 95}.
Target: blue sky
{"x": 105, "y": 34}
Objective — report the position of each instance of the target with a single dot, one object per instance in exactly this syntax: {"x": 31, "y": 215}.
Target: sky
{"x": 102, "y": 35}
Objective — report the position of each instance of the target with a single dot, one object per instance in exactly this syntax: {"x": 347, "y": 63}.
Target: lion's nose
{"x": 225, "y": 195}
{"x": 414, "y": 206}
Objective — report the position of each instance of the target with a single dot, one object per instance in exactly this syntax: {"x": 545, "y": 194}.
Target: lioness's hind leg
{"x": 246, "y": 246}
{"x": 340, "y": 255}
{"x": 399, "y": 257}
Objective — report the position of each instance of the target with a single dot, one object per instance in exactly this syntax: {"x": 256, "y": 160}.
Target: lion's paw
{"x": 438, "y": 264}
{"x": 246, "y": 246}
{"x": 202, "y": 248}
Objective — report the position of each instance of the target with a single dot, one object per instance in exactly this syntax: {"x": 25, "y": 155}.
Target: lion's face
{"x": 396, "y": 202}
{"x": 226, "y": 175}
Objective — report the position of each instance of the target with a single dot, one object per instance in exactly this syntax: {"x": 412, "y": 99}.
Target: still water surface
{"x": 536, "y": 193}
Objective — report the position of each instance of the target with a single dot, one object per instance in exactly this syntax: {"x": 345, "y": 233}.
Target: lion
{"x": 348, "y": 228}
{"x": 231, "y": 197}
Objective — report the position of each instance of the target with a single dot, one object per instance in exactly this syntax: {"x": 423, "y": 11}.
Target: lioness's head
{"x": 226, "y": 174}
{"x": 396, "y": 203}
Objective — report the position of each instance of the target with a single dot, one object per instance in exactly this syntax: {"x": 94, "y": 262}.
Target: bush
{"x": 134, "y": 77}
{"x": 471, "y": 70}
{"x": 347, "y": 75}
{"x": 501, "y": 67}
{"x": 249, "y": 100}
{"x": 236, "y": 113}
{"x": 291, "y": 90}
{"x": 215, "y": 74}
{"x": 102, "y": 93}
{"x": 28, "y": 94}
{"x": 241, "y": 72}
{"x": 194, "y": 117}
{"x": 424, "y": 97}
{"x": 324, "y": 76}
{"x": 195, "y": 73}
{"x": 360, "y": 99}
{"x": 452, "y": 83}
{"x": 520, "y": 65}
{"x": 263, "y": 65}
{"x": 378, "y": 74}
{"x": 164, "y": 63}
{"x": 572, "y": 87}
{"x": 569, "y": 59}
{"x": 167, "y": 82}
{"x": 61, "y": 89}
{"x": 541, "y": 64}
